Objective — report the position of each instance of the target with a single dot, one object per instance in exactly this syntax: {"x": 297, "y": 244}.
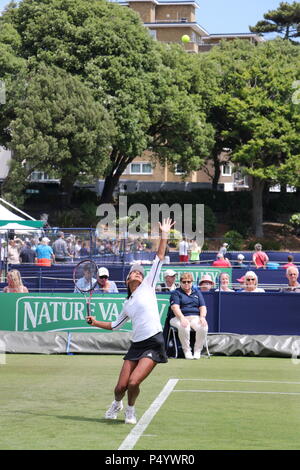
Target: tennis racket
{"x": 85, "y": 278}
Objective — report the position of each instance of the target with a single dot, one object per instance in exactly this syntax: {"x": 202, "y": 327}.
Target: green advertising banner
{"x": 196, "y": 271}
{"x": 63, "y": 312}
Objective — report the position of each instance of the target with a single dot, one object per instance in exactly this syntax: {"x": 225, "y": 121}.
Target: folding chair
{"x": 173, "y": 336}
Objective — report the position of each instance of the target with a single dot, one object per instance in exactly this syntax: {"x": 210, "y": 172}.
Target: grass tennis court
{"x": 58, "y": 402}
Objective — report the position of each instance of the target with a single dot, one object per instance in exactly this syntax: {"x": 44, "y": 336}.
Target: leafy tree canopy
{"x": 285, "y": 21}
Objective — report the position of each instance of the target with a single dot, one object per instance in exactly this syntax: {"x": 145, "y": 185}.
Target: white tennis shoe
{"x": 197, "y": 354}
{"x": 115, "y": 407}
{"x": 188, "y": 354}
{"x": 130, "y": 417}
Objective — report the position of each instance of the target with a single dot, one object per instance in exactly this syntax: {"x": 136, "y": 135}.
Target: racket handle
{"x": 89, "y": 322}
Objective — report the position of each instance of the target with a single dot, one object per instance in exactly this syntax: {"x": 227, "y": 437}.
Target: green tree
{"x": 106, "y": 46}
{"x": 285, "y": 21}
{"x": 58, "y": 128}
{"x": 255, "y": 115}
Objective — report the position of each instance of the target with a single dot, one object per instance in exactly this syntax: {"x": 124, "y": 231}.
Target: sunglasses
{"x": 250, "y": 279}
{"x": 103, "y": 277}
{"x": 186, "y": 282}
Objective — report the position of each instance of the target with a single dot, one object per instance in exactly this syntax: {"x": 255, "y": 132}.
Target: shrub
{"x": 234, "y": 240}
{"x": 266, "y": 243}
{"x": 295, "y": 222}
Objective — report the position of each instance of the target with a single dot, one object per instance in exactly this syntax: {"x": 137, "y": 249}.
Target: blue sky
{"x": 233, "y": 16}
{"x": 226, "y": 16}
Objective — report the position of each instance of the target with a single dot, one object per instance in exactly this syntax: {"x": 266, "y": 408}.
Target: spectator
{"x": 240, "y": 261}
{"x": 224, "y": 281}
{"x": 84, "y": 252}
{"x": 87, "y": 281}
{"x": 44, "y": 253}
{"x": 167, "y": 255}
{"x": 104, "y": 284}
{"x": 169, "y": 284}
{"x": 260, "y": 258}
{"x": 195, "y": 251}
{"x": 3, "y": 255}
{"x": 15, "y": 283}
{"x": 290, "y": 262}
{"x": 189, "y": 310}
{"x": 223, "y": 249}
{"x": 221, "y": 262}
{"x": 206, "y": 283}
{"x": 60, "y": 249}
{"x": 183, "y": 251}
{"x": 251, "y": 282}
{"x": 13, "y": 251}
{"x": 27, "y": 254}
{"x": 292, "y": 273}
{"x": 77, "y": 248}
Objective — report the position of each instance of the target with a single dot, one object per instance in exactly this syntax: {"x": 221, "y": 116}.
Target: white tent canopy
{"x": 11, "y": 221}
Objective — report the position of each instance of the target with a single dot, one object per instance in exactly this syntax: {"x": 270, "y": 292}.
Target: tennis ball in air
{"x": 185, "y": 38}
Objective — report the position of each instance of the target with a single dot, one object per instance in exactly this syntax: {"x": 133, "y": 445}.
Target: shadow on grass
{"x": 73, "y": 418}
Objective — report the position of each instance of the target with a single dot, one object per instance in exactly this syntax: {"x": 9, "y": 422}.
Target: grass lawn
{"x": 58, "y": 402}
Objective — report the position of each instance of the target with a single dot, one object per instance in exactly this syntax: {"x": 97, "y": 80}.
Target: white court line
{"x": 132, "y": 438}
{"x": 237, "y": 391}
{"x": 243, "y": 381}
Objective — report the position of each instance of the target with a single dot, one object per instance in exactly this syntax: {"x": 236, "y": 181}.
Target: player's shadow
{"x": 75, "y": 418}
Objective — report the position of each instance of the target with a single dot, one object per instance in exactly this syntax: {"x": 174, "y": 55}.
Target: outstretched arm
{"x": 165, "y": 228}
{"x": 98, "y": 323}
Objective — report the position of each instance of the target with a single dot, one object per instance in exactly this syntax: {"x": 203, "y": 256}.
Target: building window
{"x": 179, "y": 170}
{"x": 226, "y": 169}
{"x": 152, "y": 33}
{"x": 40, "y": 176}
{"x": 141, "y": 168}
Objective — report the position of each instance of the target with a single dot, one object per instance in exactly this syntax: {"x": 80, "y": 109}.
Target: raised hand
{"x": 166, "y": 226}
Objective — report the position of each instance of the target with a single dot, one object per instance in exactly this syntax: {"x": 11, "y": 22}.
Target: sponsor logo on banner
{"x": 42, "y": 313}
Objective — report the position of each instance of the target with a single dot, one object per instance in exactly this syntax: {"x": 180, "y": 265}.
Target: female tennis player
{"x": 147, "y": 347}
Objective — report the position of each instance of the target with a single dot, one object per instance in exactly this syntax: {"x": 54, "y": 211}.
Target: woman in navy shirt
{"x": 189, "y": 309}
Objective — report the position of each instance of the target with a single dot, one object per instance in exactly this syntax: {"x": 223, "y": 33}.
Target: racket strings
{"x": 85, "y": 276}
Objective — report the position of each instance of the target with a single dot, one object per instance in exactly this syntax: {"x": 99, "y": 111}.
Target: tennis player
{"x": 147, "y": 347}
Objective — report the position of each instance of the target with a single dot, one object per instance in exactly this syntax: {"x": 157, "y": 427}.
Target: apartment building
{"x": 167, "y": 21}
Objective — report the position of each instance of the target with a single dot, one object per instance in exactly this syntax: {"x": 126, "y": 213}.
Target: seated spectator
{"x": 104, "y": 284}
{"x": 206, "y": 283}
{"x": 15, "y": 283}
{"x": 290, "y": 262}
{"x": 189, "y": 311}
{"x": 224, "y": 281}
{"x": 27, "y": 254}
{"x": 251, "y": 282}
{"x": 169, "y": 284}
{"x": 221, "y": 262}
{"x": 240, "y": 261}
{"x": 86, "y": 282}
{"x": 292, "y": 273}
{"x": 44, "y": 253}
{"x": 260, "y": 258}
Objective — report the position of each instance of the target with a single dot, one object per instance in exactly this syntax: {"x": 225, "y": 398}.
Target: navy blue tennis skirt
{"x": 153, "y": 347}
